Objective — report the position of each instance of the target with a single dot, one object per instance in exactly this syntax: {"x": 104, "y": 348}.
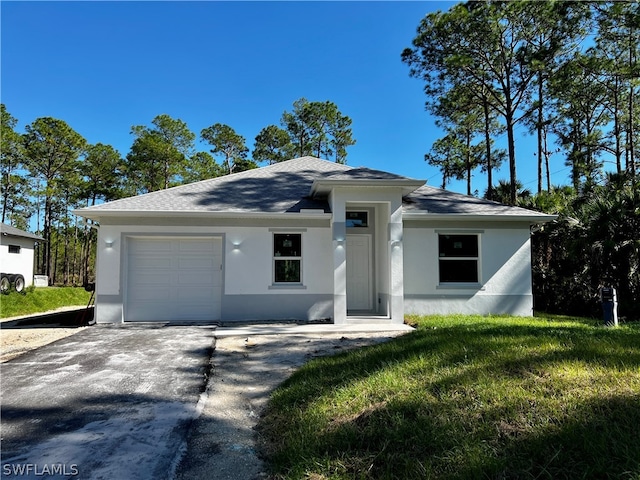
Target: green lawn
{"x": 463, "y": 398}
{"x": 41, "y": 300}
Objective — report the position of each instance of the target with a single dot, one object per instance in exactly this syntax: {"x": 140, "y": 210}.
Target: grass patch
{"x": 465, "y": 397}
{"x": 38, "y": 300}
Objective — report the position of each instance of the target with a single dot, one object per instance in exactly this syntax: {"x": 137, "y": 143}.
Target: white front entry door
{"x": 359, "y": 272}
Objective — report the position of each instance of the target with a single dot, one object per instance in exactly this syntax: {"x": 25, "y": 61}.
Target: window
{"x": 357, "y": 219}
{"x": 287, "y": 258}
{"x": 458, "y": 261}
{"x": 14, "y": 248}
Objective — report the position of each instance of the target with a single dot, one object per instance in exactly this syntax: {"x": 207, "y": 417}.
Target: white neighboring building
{"x": 308, "y": 239}
{"x": 17, "y": 252}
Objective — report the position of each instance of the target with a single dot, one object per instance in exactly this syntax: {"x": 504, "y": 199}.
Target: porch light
{"x": 340, "y": 243}
{"x": 108, "y": 243}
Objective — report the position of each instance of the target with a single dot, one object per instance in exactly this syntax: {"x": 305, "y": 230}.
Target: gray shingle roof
{"x": 362, "y": 173}
{"x": 286, "y": 187}
{"x": 278, "y": 188}
{"x": 433, "y": 200}
{"x": 16, "y": 232}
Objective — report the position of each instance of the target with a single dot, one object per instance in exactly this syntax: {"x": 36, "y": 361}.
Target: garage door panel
{"x": 196, "y": 263}
{"x": 149, "y": 310}
{"x": 202, "y": 246}
{"x": 140, "y": 246}
{"x": 152, "y": 262}
{"x": 144, "y": 280}
{"x": 150, "y": 294}
{"x": 195, "y": 281}
{"x": 173, "y": 279}
{"x": 199, "y": 296}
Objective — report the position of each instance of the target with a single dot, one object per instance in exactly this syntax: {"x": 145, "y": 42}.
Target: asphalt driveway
{"x": 109, "y": 402}
{"x": 154, "y": 402}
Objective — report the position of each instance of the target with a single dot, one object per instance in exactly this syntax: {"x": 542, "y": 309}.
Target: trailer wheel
{"x": 19, "y": 284}
{"x": 5, "y": 284}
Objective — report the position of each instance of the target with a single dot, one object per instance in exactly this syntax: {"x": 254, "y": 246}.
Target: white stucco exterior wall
{"x": 249, "y": 260}
{"x": 248, "y": 290}
{"x": 504, "y": 265}
{"x": 406, "y": 265}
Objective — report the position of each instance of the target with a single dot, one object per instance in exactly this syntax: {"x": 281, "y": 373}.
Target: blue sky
{"x": 105, "y": 66}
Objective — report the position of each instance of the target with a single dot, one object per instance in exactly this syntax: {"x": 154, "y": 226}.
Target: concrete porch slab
{"x": 356, "y": 326}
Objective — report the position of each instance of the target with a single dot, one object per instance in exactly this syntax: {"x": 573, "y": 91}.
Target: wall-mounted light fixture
{"x": 108, "y": 243}
{"x": 236, "y": 246}
{"x": 396, "y": 244}
{"x": 340, "y": 243}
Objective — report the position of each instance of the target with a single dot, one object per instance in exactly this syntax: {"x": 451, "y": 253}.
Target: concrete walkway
{"x": 353, "y": 327}
{"x": 151, "y": 401}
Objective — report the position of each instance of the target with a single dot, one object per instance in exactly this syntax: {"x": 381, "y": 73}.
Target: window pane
{"x": 287, "y": 271}
{"x": 287, "y": 245}
{"x": 357, "y": 219}
{"x": 459, "y": 271}
{"x": 458, "y": 245}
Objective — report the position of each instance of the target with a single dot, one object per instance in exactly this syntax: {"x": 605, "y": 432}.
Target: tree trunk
{"x": 46, "y": 233}
{"x": 487, "y": 141}
{"x": 632, "y": 159}
{"x": 546, "y": 161}
{"x": 616, "y": 125}
{"x": 539, "y": 127}
{"x": 65, "y": 256}
{"x": 55, "y": 260}
{"x": 468, "y": 163}
{"x": 5, "y": 197}
{"x": 513, "y": 194}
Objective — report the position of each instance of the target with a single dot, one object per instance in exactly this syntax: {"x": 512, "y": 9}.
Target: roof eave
{"x": 324, "y": 186}
{"x": 532, "y": 219}
{"x": 35, "y": 238}
{"x": 97, "y": 214}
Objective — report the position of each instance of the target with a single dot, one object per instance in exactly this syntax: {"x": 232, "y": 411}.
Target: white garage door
{"x": 174, "y": 279}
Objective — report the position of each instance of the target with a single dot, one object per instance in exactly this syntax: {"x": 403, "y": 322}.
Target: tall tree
{"x": 342, "y": 136}
{"x": 228, "y": 145}
{"x": 103, "y": 173}
{"x": 103, "y": 179}
{"x": 299, "y": 124}
{"x": 52, "y": 151}
{"x": 272, "y": 145}
{"x": 11, "y": 158}
{"x": 466, "y": 122}
{"x": 319, "y": 129}
{"x": 581, "y": 118}
{"x": 201, "y": 166}
{"x": 556, "y": 31}
{"x": 159, "y": 153}
{"x": 446, "y": 154}
{"x": 617, "y": 52}
{"x": 484, "y": 43}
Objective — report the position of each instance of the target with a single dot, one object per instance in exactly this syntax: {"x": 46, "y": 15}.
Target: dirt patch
{"x": 16, "y": 338}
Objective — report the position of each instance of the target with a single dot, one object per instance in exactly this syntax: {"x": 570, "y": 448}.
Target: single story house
{"x": 17, "y": 254}
{"x": 308, "y": 239}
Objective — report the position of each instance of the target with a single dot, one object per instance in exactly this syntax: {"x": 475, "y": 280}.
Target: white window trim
{"x": 461, "y": 285}
{"x": 286, "y": 285}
